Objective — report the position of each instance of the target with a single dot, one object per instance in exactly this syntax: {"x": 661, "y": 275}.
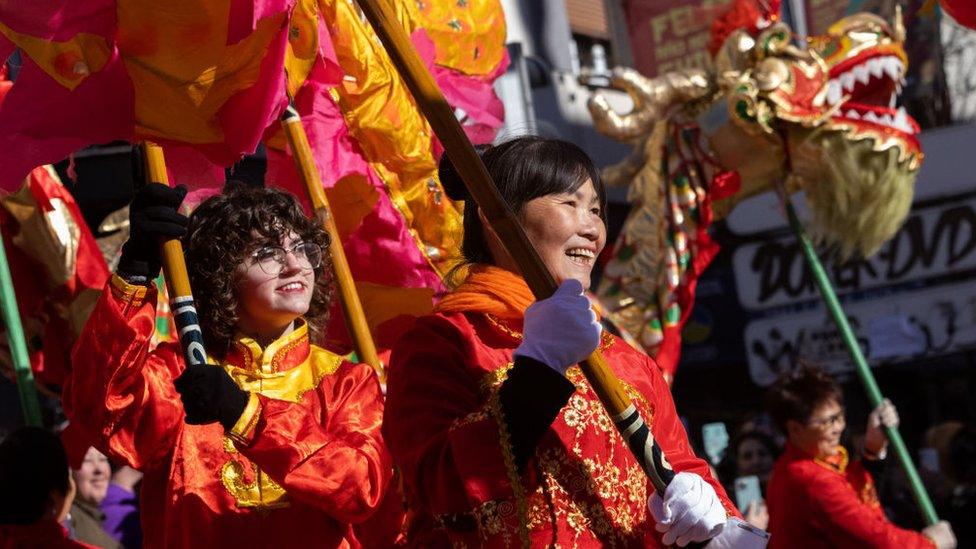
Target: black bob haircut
{"x": 523, "y": 169}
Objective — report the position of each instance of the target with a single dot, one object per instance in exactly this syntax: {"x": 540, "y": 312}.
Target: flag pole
{"x": 174, "y": 267}
{"x": 352, "y": 307}
{"x": 431, "y": 102}
{"x": 857, "y": 356}
{"x": 17, "y": 344}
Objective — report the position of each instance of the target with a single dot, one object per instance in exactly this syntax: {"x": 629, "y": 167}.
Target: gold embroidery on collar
{"x": 838, "y": 467}
{"x": 291, "y": 384}
{"x": 277, "y": 350}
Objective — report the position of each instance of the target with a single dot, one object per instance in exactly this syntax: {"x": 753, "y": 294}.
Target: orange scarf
{"x": 491, "y": 290}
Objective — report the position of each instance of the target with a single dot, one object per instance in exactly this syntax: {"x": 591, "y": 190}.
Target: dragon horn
{"x": 651, "y": 97}
{"x": 899, "y": 24}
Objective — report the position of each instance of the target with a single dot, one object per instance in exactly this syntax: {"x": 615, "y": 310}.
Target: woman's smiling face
{"x": 567, "y": 231}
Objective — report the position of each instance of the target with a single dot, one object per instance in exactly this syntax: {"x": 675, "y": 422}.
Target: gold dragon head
{"x": 825, "y": 118}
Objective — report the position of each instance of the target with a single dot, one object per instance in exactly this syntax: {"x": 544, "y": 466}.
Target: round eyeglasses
{"x": 825, "y": 423}
{"x": 272, "y": 259}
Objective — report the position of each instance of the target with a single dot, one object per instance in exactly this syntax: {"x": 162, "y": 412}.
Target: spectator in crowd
{"x": 961, "y": 469}
{"x": 86, "y": 520}
{"x": 121, "y": 507}
{"x": 751, "y": 453}
{"x": 37, "y": 491}
{"x": 816, "y": 496}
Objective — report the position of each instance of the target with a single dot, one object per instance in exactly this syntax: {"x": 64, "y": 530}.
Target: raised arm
{"x": 120, "y": 391}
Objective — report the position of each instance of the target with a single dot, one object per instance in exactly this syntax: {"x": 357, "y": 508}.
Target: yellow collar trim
{"x": 291, "y": 384}
{"x": 268, "y": 360}
{"x": 836, "y": 464}
{"x": 264, "y": 371}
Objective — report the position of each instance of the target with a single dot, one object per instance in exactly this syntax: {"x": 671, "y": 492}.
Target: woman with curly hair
{"x": 277, "y": 442}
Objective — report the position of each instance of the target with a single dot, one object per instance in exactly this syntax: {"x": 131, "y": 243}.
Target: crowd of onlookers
{"x": 93, "y": 503}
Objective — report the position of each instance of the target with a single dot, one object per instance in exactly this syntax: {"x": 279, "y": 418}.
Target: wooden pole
{"x": 174, "y": 267}
{"x": 472, "y": 171}
{"x": 18, "y": 345}
{"x": 352, "y": 307}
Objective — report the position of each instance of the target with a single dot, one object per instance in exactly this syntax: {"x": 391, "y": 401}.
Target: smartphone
{"x": 715, "y": 439}
{"x": 928, "y": 458}
{"x": 746, "y": 491}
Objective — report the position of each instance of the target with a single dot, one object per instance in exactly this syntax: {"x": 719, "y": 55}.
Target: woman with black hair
{"x": 500, "y": 439}
{"x": 277, "y": 443}
{"x": 751, "y": 453}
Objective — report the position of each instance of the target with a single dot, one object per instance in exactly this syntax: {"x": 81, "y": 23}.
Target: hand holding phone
{"x": 747, "y": 491}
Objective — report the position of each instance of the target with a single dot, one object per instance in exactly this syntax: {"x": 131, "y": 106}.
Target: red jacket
{"x": 40, "y": 535}
{"x": 815, "y": 504}
{"x": 581, "y": 488}
{"x": 305, "y": 460}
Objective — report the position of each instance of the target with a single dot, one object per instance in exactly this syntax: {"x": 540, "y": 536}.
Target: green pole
{"x": 860, "y": 363}
{"x": 18, "y": 347}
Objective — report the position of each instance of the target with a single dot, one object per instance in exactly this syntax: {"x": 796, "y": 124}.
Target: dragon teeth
{"x": 847, "y": 81}
{"x": 901, "y": 121}
{"x": 876, "y": 66}
{"x": 893, "y": 67}
{"x": 833, "y": 92}
{"x": 862, "y": 73}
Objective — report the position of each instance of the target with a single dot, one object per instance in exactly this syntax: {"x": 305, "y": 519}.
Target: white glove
{"x": 690, "y": 510}
{"x": 738, "y": 534}
{"x": 941, "y": 535}
{"x": 561, "y": 330}
{"x": 875, "y": 439}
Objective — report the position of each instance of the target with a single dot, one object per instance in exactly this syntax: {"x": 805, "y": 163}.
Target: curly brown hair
{"x": 222, "y": 233}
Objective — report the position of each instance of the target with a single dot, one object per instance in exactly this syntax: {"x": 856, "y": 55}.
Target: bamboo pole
{"x": 857, "y": 356}
{"x": 174, "y": 267}
{"x": 352, "y": 307}
{"x": 497, "y": 213}
{"x": 17, "y": 344}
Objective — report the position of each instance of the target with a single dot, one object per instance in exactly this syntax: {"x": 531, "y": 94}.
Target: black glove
{"x": 209, "y": 394}
{"x": 153, "y": 217}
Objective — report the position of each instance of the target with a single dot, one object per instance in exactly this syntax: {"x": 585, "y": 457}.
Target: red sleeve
{"x": 118, "y": 390}
{"x": 671, "y": 436}
{"x": 840, "y": 514}
{"x": 441, "y": 430}
{"x": 334, "y": 459}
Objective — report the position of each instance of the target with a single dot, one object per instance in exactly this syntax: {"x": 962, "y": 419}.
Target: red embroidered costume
{"x": 832, "y": 504}
{"x": 581, "y": 487}
{"x": 304, "y": 460}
